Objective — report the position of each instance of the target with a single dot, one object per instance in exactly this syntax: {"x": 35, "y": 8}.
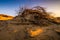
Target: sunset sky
{"x": 10, "y": 7}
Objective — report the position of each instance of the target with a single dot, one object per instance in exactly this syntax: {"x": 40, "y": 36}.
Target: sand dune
{"x": 5, "y": 17}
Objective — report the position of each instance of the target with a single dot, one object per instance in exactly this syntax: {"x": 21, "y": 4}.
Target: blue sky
{"x": 10, "y": 7}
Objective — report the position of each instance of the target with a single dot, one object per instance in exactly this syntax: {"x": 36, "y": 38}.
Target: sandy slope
{"x": 5, "y": 17}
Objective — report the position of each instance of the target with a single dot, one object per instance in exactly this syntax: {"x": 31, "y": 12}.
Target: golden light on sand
{"x": 5, "y": 17}
{"x": 35, "y": 32}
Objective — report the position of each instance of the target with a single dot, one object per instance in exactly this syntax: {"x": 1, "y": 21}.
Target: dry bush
{"x": 37, "y": 15}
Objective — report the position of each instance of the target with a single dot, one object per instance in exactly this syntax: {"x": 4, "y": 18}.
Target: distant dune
{"x": 57, "y": 19}
{"x": 5, "y": 17}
